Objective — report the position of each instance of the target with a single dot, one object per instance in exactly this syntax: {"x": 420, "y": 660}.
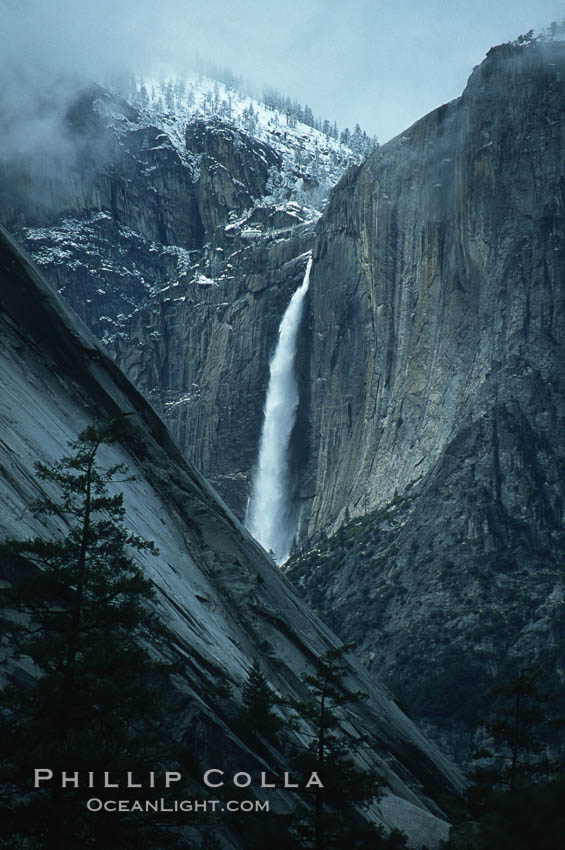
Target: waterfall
{"x": 269, "y": 515}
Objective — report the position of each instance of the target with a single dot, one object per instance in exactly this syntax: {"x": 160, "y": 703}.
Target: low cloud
{"x": 371, "y": 61}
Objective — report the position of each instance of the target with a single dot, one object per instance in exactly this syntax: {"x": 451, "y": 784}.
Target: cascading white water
{"x": 269, "y": 516}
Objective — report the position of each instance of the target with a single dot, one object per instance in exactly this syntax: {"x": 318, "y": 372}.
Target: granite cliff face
{"x": 224, "y": 601}
{"x": 115, "y": 218}
{"x": 436, "y": 412}
{"x": 437, "y": 296}
{"x": 179, "y": 238}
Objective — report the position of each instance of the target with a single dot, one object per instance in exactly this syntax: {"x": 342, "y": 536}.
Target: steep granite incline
{"x": 436, "y": 394}
{"x": 225, "y": 602}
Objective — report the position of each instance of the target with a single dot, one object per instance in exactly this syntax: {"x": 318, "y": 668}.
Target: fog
{"x": 382, "y": 64}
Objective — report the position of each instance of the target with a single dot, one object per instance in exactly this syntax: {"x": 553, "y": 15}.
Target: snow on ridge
{"x": 171, "y": 103}
{"x": 97, "y": 248}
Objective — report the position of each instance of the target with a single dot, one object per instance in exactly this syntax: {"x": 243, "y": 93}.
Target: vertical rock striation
{"x": 437, "y": 294}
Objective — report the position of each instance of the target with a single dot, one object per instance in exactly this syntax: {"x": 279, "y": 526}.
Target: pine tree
{"x": 531, "y": 817}
{"x": 336, "y": 821}
{"x": 169, "y": 95}
{"x": 517, "y": 792}
{"x": 91, "y": 697}
{"x": 516, "y": 731}
{"x": 143, "y": 96}
{"x": 257, "y": 717}
{"x": 216, "y": 98}
{"x": 308, "y": 116}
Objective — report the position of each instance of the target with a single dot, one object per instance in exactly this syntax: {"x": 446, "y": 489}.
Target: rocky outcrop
{"x": 107, "y": 163}
{"x": 225, "y": 602}
{"x": 232, "y": 169}
{"x": 109, "y": 212}
{"x": 436, "y": 415}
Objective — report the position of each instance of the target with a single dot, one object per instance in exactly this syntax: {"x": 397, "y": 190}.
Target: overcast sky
{"x": 383, "y": 63}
